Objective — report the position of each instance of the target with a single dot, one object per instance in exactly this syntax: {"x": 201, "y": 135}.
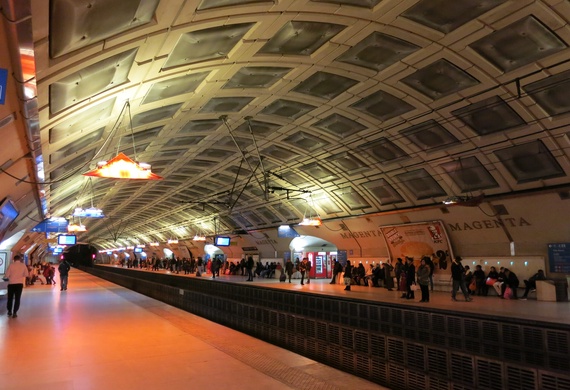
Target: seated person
{"x": 360, "y": 275}
{"x": 480, "y": 281}
{"x": 377, "y": 275}
{"x": 499, "y": 284}
{"x": 511, "y": 281}
{"x": 531, "y": 282}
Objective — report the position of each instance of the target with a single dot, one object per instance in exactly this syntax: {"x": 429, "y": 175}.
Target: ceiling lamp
{"x": 91, "y": 212}
{"x": 455, "y": 199}
{"x": 121, "y": 166}
{"x": 312, "y": 221}
{"x": 469, "y": 201}
{"x": 199, "y": 238}
{"x": 173, "y": 241}
{"x": 74, "y": 227}
{"x": 153, "y": 244}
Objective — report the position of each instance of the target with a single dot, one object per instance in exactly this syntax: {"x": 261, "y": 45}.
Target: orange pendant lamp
{"x": 122, "y": 167}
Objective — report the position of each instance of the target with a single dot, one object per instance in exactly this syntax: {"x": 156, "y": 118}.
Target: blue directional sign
{"x": 53, "y": 225}
{"x": 3, "y": 82}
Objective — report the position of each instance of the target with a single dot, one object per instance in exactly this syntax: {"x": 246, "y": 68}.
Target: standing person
{"x": 16, "y": 274}
{"x": 249, "y": 268}
{"x": 63, "y": 269}
{"x": 423, "y": 279}
{"x": 308, "y": 267}
{"x": 431, "y": 266}
{"x": 410, "y": 277}
{"x": 388, "y": 278}
{"x": 289, "y": 269}
{"x": 398, "y": 268}
{"x": 303, "y": 269}
{"x": 337, "y": 268}
{"x": 458, "y": 276}
{"x": 347, "y": 275}
{"x": 215, "y": 267}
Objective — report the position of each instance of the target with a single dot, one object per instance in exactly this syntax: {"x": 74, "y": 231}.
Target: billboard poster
{"x": 418, "y": 240}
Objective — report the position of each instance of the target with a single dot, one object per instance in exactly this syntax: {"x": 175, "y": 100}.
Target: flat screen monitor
{"x": 8, "y": 214}
{"x": 222, "y": 241}
{"x": 57, "y": 251}
{"x": 66, "y": 239}
{"x": 138, "y": 250}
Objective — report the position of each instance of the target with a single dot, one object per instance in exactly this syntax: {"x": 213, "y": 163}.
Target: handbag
{"x": 473, "y": 285}
{"x": 508, "y": 293}
{"x": 414, "y": 287}
{"x": 490, "y": 281}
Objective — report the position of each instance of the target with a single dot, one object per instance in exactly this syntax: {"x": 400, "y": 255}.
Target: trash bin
{"x": 561, "y": 290}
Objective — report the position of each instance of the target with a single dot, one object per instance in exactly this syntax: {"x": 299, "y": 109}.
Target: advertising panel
{"x": 417, "y": 240}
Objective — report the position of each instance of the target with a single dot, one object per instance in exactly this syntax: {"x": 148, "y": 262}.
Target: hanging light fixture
{"x": 173, "y": 241}
{"x": 199, "y": 237}
{"x": 121, "y": 166}
{"x": 76, "y": 227}
{"x": 310, "y": 220}
{"x": 91, "y": 212}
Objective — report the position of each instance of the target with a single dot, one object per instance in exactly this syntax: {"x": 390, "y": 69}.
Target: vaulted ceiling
{"x": 259, "y": 112}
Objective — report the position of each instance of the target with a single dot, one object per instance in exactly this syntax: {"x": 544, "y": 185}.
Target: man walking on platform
{"x": 16, "y": 273}
{"x": 63, "y": 269}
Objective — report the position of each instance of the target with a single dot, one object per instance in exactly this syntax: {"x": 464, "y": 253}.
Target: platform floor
{"x": 98, "y": 335}
{"x": 531, "y": 309}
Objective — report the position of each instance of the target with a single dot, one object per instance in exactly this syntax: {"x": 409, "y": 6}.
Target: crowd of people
{"x": 410, "y": 279}
{"x": 403, "y": 275}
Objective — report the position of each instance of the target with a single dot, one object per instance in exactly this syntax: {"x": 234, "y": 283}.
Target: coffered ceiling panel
{"x": 518, "y": 44}
{"x": 489, "y": 116}
{"x": 446, "y": 16}
{"x": 420, "y": 184}
{"x": 258, "y": 112}
{"x": 300, "y": 38}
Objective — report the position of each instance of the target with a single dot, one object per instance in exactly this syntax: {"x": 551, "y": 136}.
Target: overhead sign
{"x": 52, "y": 225}
{"x": 559, "y": 257}
{"x": 3, "y": 83}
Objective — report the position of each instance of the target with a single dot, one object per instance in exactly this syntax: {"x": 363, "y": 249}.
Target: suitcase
{"x": 282, "y": 277}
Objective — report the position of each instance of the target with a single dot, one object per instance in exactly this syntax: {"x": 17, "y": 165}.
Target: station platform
{"x": 98, "y": 335}
{"x": 491, "y": 305}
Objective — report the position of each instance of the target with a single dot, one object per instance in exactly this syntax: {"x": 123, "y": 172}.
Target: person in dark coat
{"x": 337, "y": 269}
{"x": 423, "y": 279}
{"x": 388, "y": 278}
{"x": 249, "y": 268}
{"x": 531, "y": 282}
{"x": 347, "y": 275}
{"x": 289, "y": 268}
{"x": 398, "y": 269}
{"x": 458, "y": 278}
{"x": 410, "y": 277}
{"x": 512, "y": 281}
